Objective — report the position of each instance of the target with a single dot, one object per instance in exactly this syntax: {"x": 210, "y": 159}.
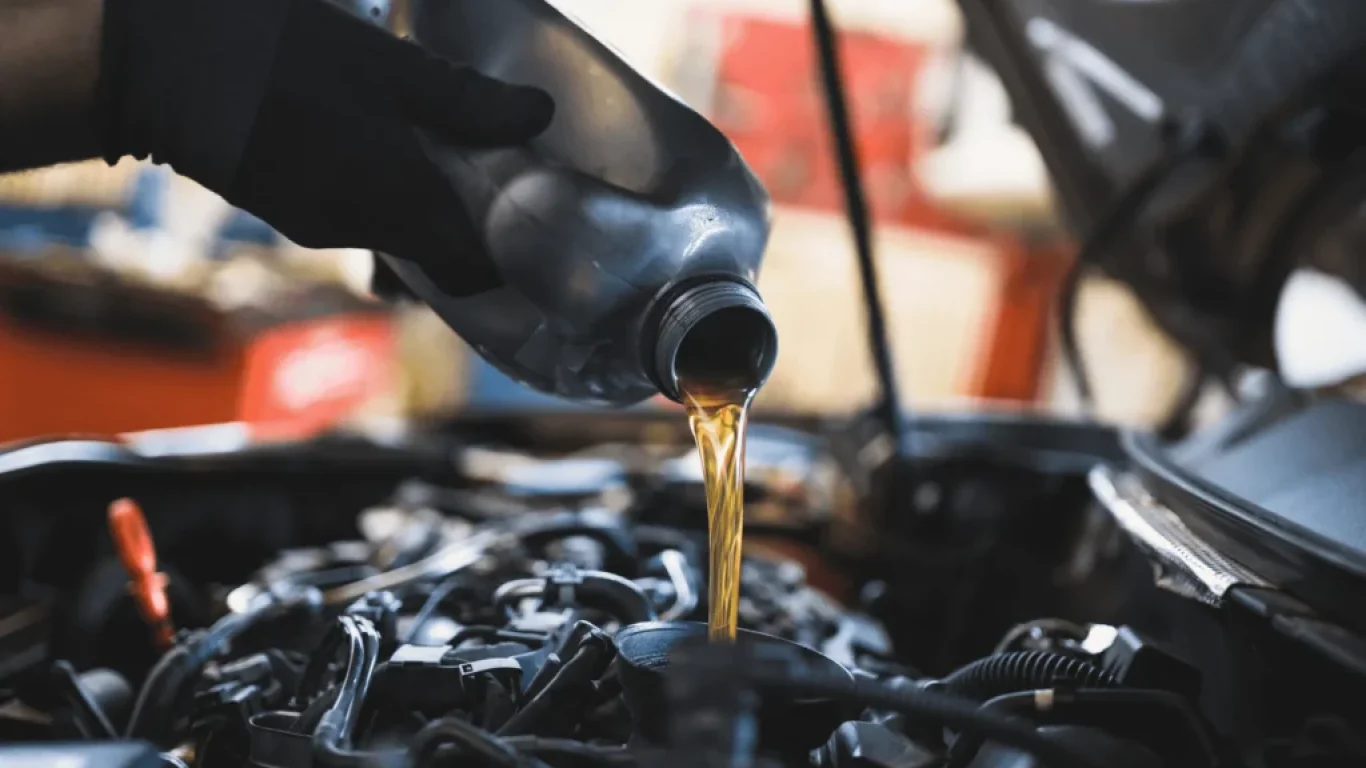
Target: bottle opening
{"x": 716, "y": 336}
{"x": 728, "y": 349}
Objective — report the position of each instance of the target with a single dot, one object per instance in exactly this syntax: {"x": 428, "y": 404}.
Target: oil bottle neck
{"x": 717, "y": 334}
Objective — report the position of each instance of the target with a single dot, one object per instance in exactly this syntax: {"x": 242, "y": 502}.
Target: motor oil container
{"x": 628, "y": 236}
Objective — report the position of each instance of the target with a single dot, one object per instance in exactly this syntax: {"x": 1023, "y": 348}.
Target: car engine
{"x": 509, "y": 591}
{"x": 982, "y": 591}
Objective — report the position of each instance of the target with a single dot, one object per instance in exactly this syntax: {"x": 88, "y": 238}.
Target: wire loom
{"x": 1025, "y": 670}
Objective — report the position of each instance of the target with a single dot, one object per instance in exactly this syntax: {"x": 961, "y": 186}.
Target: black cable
{"x": 1126, "y": 711}
{"x": 1185, "y": 142}
{"x": 827, "y": 49}
{"x": 1122, "y": 710}
{"x": 1024, "y": 671}
{"x": 589, "y": 754}
{"x": 543, "y": 677}
{"x": 161, "y": 691}
{"x": 313, "y": 713}
{"x": 332, "y": 737}
{"x": 168, "y": 685}
{"x": 340, "y": 716}
{"x": 97, "y": 722}
{"x": 578, "y": 669}
{"x": 965, "y": 748}
{"x": 951, "y": 711}
{"x": 438, "y": 595}
{"x": 311, "y": 682}
{"x": 489, "y": 633}
{"x": 616, "y": 595}
{"x": 224, "y": 631}
{"x": 1068, "y": 294}
{"x": 1177, "y": 423}
{"x": 472, "y": 740}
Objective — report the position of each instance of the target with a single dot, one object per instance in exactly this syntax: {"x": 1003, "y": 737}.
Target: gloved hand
{"x": 310, "y": 119}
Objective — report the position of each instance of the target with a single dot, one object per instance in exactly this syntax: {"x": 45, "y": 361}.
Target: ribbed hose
{"x": 1024, "y": 671}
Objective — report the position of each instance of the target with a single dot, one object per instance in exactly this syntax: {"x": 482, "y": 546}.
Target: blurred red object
{"x": 1012, "y": 367}
{"x": 85, "y": 352}
{"x": 769, "y": 102}
{"x": 138, "y": 554}
{"x": 92, "y": 355}
{"x": 313, "y": 374}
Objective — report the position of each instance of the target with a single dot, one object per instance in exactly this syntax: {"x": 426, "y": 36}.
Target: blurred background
{"x": 131, "y": 299}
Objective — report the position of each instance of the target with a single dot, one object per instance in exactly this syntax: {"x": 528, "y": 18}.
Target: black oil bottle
{"x": 629, "y": 235}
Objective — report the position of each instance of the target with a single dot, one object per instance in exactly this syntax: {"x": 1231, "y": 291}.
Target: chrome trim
{"x": 1184, "y": 563}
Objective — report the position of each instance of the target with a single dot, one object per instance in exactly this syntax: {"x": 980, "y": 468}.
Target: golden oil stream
{"x": 718, "y": 420}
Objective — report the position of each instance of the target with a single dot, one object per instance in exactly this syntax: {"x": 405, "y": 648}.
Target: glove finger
{"x": 446, "y": 245}
{"x": 456, "y": 276}
{"x": 472, "y": 109}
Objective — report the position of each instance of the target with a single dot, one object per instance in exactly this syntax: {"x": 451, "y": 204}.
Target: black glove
{"x": 308, "y": 118}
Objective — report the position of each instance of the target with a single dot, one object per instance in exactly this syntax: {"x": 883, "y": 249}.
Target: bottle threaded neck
{"x": 716, "y": 334}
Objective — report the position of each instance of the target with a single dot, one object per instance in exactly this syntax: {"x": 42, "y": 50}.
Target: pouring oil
{"x": 718, "y": 418}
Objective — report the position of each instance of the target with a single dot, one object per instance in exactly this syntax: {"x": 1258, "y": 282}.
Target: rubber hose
{"x": 438, "y": 595}
{"x": 90, "y": 712}
{"x": 160, "y": 695}
{"x": 964, "y": 749}
{"x": 311, "y": 683}
{"x": 578, "y": 669}
{"x": 572, "y": 750}
{"x": 223, "y": 631}
{"x": 1024, "y": 671}
{"x": 166, "y": 687}
{"x": 332, "y": 736}
{"x": 953, "y": 712}
{"x": 628, "y": 603}
{"x": 313, "y": 713}
{"x": 605, "y": 591}
{"x": 475, "y": 742}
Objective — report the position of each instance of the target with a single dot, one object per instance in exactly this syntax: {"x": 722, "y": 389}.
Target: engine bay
{"x": 984, "y": 591}
{"x": 513, "y": 591}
